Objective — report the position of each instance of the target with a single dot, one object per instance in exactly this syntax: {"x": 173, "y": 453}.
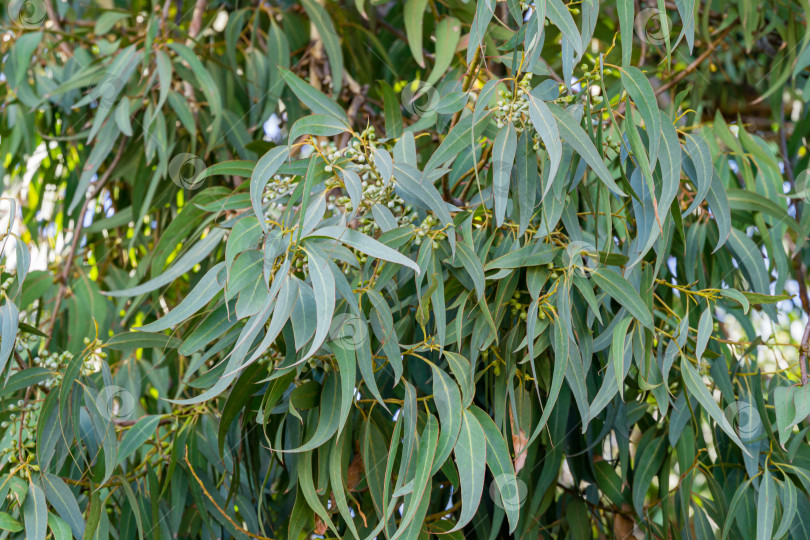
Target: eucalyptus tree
{"x": 399, "y": 269}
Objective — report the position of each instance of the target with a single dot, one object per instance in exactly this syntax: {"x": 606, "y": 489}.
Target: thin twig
{"x": 221, "y": 511}
{"x": 694, "y": 65}
{"x": 803, "y": 352}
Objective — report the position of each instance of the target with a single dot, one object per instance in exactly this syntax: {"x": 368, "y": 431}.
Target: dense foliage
{"x": 394, "y": 269}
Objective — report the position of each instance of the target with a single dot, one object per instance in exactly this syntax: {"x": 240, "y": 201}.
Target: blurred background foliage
{"x": 269, "y": 269}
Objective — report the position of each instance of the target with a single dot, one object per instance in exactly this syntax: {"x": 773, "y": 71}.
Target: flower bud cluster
{"x": 516, "y": 308}
{"x": 28, "y": 415}
{"x": 52, "y": 361}
{"x": 375, "y": 191}
{"x": 423, "y": 231}
{"x": 92, "y": 362}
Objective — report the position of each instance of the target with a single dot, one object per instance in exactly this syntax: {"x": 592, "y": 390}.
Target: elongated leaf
{"x": 194, "y": 255}
{"x": 364, "y": 243}
{"x": 9, "y": 322}
{"x": 640, "y": 90}
{"x": 500, "y": 463}
{"x": 414, "y": 11}
{"x": 560, "y": 17}
{"x": 695, "y": 385}
{"x": 503, "y": 154}
{"x": 316, "y": 124}
{"x": 208, "y": 287}
{"x": 471, "y": 453}
{"x": 267, "y": 166}
{"x": 35, "y": 512}
{"x": 574, "y": 135}
{"x": 620, "y": 290}
{"x": 766, "y": 506}
{"x": 543, "y": 121}
{"x": 448, "y": 404}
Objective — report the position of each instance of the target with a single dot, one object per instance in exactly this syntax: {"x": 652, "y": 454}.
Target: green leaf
{"x": 317, "y": 124}
{"x": 503, "y": 154}
{"x": 413, "y": 12}
{"x": 574, "y": 135}
{"x": 625, "y": 9}
{"x": 472, "y": 265}
{"x": 35, "y": 512}
{"x": 705, "y": 327}
{"x": 543, "y": 121}
{"x": 471, "y": 452}
{"x": 312, "y": 98}
{"x": 193, "y": 256}
{"x": 648, "y": 461}
{"x": 8, "y": 523}
{"x": 143, "y": 430}
{"x": 364, "y": 243}
{"x": 326, "y": 30}
{"x": 788, "y": 498}
{"x": 127, "y": 341}
{"x": 766, "y": 506}
{"x": 558, "y": 14}
{"x": 641, "y": 92}
{"x": 59, "y": 528}
{"x": 785, "y": 412}
{"x": 62, "y": 500}
{"x": 696, "y": 387}
{"x": 749, "y": 201}
{"x": 424, "y": 462}
{"x": 323, "y": 284}
{"x": 617, "y": 352}
{"x": 202, "y": 293}
{"x": 458, "y": 141}
{"x": 500, "y": 463}
{"x": 448, "y": 34}
{"x": 245, "y": 234}
{"x": 267, "y": 166}
{"x": 447, "y": 398}
{"x": 620, "y": 290}
{"x": 698, "y": 151}
{"x": 9, "y": 321}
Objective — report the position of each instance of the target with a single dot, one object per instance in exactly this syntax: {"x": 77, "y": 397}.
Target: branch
{"x": 694, "y": 65}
